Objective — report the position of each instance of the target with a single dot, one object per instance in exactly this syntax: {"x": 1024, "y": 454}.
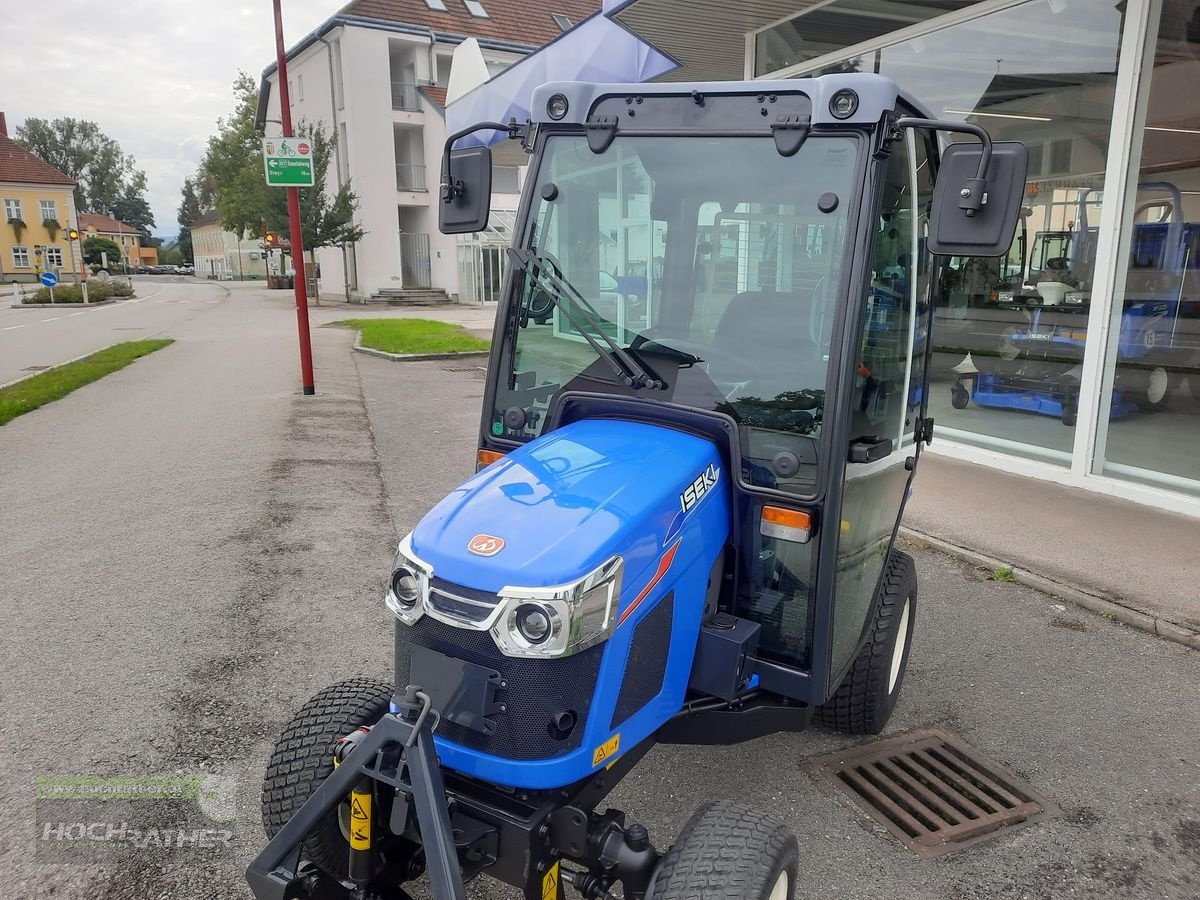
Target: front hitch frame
{"x": 399, "y": 752}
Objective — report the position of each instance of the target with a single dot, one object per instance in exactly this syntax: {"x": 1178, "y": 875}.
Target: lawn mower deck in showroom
{"x": 682, "y": 528}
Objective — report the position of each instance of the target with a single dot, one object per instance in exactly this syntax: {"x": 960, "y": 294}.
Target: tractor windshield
{"x": 713, "y": 262}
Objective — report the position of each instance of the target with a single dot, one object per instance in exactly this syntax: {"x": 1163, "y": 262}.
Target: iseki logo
{"x": 485, "y": 545}
{"x": 704, "y": 483}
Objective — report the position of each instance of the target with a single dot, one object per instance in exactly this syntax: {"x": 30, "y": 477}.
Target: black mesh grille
{"x": 464, "y": 603}
{"x": 537, "y": 691}
{"x": 647, "y": 662}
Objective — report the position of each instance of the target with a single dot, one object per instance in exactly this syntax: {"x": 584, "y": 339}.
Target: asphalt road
{"x": 32, "y": 339}
{"x": 190, "y": 549}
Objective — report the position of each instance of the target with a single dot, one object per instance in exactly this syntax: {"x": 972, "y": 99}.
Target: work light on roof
{"x": 557, "y": 106}
{"x": 843, "y": 104}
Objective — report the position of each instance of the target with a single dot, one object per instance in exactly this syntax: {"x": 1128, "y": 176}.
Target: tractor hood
{"x": 558, "y": 507}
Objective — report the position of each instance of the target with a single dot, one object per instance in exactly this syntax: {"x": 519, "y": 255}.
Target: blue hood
{"x": 567, "y": 502}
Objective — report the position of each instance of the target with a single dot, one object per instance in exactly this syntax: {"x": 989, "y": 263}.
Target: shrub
{"x": 71, "y": 293}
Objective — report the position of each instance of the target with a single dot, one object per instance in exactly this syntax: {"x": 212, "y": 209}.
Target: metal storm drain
{"x": 35, "y": 368}
{"x": 934, "y": 792}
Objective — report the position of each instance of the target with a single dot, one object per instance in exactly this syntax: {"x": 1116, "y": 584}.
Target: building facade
{"x": 38, "y": 210}
{"x": 125, "y": 236}
{"x": 1075, "y": 358}
{"x": 376, "y": 75}
{"x": 224, "y": 255}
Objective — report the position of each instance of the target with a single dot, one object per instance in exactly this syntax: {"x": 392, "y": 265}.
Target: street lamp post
{"x": 293, "y": 197}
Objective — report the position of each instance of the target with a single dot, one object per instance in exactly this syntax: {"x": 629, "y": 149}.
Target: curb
{"x": 415, "y": 357}
{"x": 1091, "y": 602}
{"x": 66, "y": 305}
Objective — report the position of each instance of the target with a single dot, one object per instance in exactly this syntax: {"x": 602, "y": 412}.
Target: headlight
{"x": 409, "y": 584}
{"x": 560, "y": 620}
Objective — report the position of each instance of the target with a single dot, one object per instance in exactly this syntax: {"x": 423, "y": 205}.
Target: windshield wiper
{"x": 558, "y": 290}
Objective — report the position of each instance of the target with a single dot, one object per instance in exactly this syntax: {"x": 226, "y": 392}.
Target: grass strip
{"x": 54, "y": 384}
{"x": 414, "y": 336}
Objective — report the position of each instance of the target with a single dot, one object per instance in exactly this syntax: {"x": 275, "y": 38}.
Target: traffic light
{"x": 272, "y": 239}
{"x": 72, "y": 234}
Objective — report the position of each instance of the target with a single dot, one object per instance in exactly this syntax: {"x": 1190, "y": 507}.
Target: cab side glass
{"x": 466, "y": 191}
{"x": 989, "y": 232}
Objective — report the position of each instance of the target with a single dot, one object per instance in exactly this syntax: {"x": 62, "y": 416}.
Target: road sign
{"x": 287, "y": 162}
{"x": 49, "y": 279}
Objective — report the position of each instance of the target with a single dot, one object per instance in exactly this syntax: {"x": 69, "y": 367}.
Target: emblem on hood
{"x": 485, "y": 545}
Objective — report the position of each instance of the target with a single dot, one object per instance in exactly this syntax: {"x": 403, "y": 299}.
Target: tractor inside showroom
{"x": 704, "y": 408}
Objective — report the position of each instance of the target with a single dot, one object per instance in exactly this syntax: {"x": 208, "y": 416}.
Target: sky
{"x": 153, "y": 74}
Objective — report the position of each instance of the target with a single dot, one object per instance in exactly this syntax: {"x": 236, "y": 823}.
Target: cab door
{"x": 888, "y": 396}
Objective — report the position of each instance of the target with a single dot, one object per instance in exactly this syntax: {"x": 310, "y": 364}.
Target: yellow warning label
{"x": 550, "y": 883}
{"x": 360, "y": 820}
{"x": 607, "y": 750}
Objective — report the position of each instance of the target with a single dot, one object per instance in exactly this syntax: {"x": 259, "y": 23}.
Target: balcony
{"x": 404, "y": 96}
{"x": 410, "y": 177}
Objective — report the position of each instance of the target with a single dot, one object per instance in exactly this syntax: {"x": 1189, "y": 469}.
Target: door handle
{"x": 869, "y": 449}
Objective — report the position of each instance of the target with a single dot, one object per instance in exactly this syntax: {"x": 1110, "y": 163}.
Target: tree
{"x": 325, "y": 221}
{"x": 94, "y": 246}
{"x": 108, "y": 178}
{"x": 190, "y": 211}
{"x": 171, "y": 255}
{"x": 132, "y": 209}
{"x": 231, "y": 174}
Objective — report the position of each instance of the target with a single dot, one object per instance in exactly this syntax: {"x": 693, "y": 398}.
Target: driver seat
{"x": 770, "y": 330}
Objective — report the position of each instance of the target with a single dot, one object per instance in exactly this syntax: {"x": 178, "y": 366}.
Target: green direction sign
{"x": 288, "y": 162}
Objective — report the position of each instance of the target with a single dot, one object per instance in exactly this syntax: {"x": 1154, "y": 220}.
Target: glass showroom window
{"x": 1009, "y": 333}
{"x": 1153, "y": 357}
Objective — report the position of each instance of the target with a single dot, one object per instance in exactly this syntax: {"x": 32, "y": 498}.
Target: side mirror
{"x": 964, "y": 224}
{"x": 466, "y": 191}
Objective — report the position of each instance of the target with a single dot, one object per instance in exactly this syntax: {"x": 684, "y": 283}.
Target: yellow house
{"x": 128, "y": 238}
{"x": 38, "y": 210}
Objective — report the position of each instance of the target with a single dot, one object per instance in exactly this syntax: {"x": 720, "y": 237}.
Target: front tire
{"x": 864, "y": 701}
{"x": 728, "y": 851}
{"x": 303, "y": 758}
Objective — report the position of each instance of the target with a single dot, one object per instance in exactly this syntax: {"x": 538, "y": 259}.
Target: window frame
{"x": 53, "y": 207}
{"x": 56, "y": 250}
{"x": 23, "y": 250}
{"x": 476, "y": 9}
{"x": 13, "y": 202}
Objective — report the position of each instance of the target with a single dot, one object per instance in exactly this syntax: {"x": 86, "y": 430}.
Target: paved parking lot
{"x": 219, "y": 553}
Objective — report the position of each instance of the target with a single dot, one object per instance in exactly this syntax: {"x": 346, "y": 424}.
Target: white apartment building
{"x": 376, "y": 74}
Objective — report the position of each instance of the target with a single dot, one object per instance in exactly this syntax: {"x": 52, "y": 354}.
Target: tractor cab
{"x": 704, "y": 407}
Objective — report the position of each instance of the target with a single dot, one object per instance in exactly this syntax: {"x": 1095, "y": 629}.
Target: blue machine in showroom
{"x": 704, "y": 408}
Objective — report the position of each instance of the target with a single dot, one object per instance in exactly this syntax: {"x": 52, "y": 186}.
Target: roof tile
{"x": 19, "y": 165}
{"x": 525, "y": 22}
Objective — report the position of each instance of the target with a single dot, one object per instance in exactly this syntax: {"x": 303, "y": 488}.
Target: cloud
{"x": 154, "y": 76}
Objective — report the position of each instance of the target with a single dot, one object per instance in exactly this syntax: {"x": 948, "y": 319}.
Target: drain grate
{"x": 934, "y": 792}
{"x": 35, "y": 368}
{"x": 474, "y": 369}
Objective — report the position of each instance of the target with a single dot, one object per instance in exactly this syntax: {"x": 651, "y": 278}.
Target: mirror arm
{"x": 450, "y": 189}
{"x": 973, "y": 191}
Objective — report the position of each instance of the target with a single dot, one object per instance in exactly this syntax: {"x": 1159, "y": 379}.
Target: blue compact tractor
{"x": 682, "y": 525}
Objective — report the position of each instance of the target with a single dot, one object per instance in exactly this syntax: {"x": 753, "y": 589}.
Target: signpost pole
{"x": 293, "y": 196}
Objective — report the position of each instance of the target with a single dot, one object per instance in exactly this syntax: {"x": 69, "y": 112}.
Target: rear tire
{"x": 959, "y": 397}
{"x": 864, "y": 701}
{"x": 1148, "y": 389}
{"x": 303, "y": 758}
{"x": 727, "y": 851}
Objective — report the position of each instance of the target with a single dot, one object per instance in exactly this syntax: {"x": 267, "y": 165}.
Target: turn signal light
{"x": 786, "y": 524}
{"x": 484, "y": 458}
